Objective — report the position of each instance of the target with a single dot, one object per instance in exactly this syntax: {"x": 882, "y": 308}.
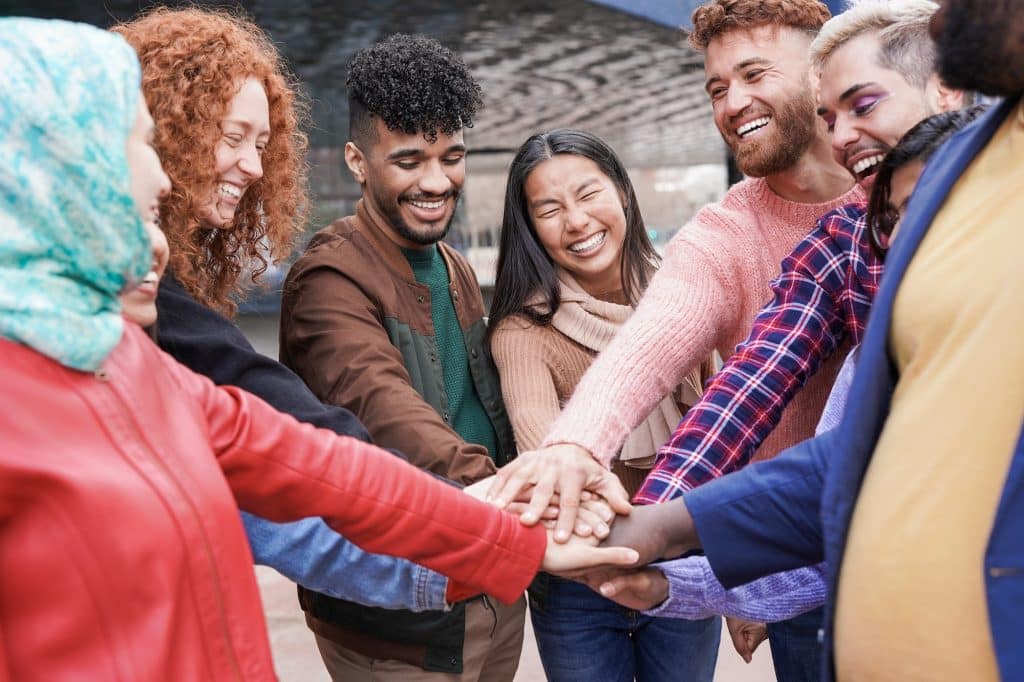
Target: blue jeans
{"x": 584, "y": 637}
{"x": 796, "y": 652}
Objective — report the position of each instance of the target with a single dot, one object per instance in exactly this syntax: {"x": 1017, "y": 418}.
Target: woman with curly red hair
{"x": 219, "y": 91}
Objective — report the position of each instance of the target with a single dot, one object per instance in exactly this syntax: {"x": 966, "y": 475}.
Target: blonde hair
{"x": 902, "y": 26}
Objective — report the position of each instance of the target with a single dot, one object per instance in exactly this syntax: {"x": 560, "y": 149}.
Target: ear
{"x": 356, "y": 162}
{"x": 941, "y": 97}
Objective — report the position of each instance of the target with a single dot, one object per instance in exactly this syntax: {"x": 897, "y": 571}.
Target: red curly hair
{"x": 714, "y": 18}
{"x": 193, "y": 61}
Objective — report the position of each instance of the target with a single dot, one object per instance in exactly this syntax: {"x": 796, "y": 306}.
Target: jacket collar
{"x": 389, "y": 250}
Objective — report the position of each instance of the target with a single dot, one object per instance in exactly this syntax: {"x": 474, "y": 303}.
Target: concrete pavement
{"x": 297, "y": 660}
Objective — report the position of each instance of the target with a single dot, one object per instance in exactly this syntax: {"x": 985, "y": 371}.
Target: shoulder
{"x": 518, "y": 328}
{"x": 729, "y": 219}
{"x": 332, "y": 246}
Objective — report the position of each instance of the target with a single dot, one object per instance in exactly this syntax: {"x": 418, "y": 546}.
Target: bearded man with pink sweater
{"x": 716, "y": 272}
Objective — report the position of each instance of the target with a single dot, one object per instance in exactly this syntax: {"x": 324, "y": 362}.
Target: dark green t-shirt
{"x": 468, "y": 417}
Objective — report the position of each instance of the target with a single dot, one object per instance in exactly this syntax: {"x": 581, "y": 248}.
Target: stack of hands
{"x": 595, "y": 536}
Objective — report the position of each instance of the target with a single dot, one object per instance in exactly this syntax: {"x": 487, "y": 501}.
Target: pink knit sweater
{"x": 713, "y": 282}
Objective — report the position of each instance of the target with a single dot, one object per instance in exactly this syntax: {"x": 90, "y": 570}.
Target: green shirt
{"x": 467, "y": 415}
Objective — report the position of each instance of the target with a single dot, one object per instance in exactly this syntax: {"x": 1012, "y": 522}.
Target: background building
{"x": 617, "y": 68}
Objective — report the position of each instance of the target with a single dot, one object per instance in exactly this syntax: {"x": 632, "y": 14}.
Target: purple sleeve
{"x": 694, "y": 593}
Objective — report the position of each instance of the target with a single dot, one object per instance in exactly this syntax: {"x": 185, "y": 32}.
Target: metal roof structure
{"x": 542, "y": 65}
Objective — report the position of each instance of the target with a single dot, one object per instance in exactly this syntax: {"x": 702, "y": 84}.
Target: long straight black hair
{"x": 524, "y": 267}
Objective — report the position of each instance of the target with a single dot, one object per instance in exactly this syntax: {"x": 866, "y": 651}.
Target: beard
{"x": 979, "y": 45}
{"x": 794, "y": 127}
{"x": 433, "y": 233}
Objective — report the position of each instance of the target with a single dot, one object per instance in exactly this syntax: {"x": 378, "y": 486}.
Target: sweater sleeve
{"x": 681, "y": 318}
{"x": 792, "y": 337}
{"x": 527, "y": 383}
{"x": 283, "y": 470}
{"x": 336, "y": 340}
{"x": 695, "y": 593}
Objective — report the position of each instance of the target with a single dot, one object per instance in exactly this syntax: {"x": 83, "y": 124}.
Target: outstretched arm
{"x": 311, "y": 554}
{"x": 816, "y": 302}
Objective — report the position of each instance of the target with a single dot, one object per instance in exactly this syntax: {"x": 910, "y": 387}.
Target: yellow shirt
{"x": 911, "y": 600}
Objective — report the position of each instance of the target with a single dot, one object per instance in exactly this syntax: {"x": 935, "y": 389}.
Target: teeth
{"x": 864, "y": 164}
{"x": 230, "y": 190}
{"x": 752, "y": 126}
{"x": 588, "y": 243}
{"x": 429, "y": 205}
{"x": 151, "y": 278}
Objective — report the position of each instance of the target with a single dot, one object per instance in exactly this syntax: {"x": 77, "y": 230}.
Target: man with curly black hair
{"x": 381, "y": 317}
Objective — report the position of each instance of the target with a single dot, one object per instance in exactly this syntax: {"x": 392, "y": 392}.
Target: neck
{"x": 816, "y": 177}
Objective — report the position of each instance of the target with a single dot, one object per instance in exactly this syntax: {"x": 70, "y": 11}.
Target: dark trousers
{"x": 796, "y": 651}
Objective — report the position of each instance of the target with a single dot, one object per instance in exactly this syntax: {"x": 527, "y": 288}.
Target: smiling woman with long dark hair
{"x": 574, "y": 258}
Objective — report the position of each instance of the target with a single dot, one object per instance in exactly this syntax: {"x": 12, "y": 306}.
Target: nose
{"x": 434, "y": 180}
{"x": 575, "y": 218}
{"x": 249, "y": 162}
{"x": 737, "y": 99}
{"x": 161, "y": 251}
{"x": 844, "y": 136}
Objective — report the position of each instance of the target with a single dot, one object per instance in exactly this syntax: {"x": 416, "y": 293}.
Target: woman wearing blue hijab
{"x": 121, "y": 551}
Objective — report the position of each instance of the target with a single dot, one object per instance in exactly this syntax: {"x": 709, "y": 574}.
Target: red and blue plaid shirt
{"x": 821, "y": 298}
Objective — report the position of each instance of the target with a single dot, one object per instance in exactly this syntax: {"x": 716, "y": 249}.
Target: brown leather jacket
{"x": 357, "y": 327}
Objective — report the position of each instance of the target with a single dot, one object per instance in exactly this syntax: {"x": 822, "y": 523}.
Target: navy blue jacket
{"x": 795, "y": 510}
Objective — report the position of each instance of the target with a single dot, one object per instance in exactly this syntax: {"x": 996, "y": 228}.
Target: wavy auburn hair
{"x": 193, "y": 62}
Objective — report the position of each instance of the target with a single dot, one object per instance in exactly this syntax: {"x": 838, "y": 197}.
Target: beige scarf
{"x": 593, "y": 324}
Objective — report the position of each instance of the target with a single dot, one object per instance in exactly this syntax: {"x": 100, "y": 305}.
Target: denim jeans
{"x": 584, "y": 637}
{"x": 796, "y": 652}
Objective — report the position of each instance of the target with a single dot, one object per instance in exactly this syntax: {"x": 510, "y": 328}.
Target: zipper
{"x": 104, "y": 378}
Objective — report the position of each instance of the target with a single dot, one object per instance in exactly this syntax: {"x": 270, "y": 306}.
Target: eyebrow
{"x": 587, "y": 182}
{"x": 245, "y": 124}
{"x": 413, "y": 152}
{"x": 739, "y": 67}
{"x": 847, "y": 94}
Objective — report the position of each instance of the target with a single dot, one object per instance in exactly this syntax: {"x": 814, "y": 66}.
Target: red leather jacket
{"x": 122, "y": 555}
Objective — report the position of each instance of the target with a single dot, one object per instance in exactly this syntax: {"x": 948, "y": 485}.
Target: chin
{"x": 144, "y": 316}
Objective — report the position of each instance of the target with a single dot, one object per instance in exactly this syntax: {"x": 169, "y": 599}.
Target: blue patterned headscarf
{"x": 70, "y": 235}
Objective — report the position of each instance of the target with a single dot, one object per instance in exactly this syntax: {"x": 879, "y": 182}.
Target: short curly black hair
{"x": 413, "y": 84}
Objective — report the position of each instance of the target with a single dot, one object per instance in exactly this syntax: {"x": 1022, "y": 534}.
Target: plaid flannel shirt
{"x": 822, "y": 296}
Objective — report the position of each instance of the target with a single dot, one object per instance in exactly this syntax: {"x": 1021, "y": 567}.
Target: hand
{"x": 582, "y": 553}
{"x": 746, "y": 636}
{"x": 656, "y": 531}
{"x": 564, "y": 469}
{"x": 594, "y": 516}
{"x": 640, "y": 590}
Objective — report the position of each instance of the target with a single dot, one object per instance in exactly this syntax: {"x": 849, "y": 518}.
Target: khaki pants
{"x": 494, "y": 642}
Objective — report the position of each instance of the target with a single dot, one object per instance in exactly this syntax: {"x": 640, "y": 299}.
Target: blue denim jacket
{"x": 310, "y": 553}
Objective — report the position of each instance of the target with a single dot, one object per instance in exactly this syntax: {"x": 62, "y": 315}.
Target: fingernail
{"x": 561, "y": 535}
{"x": 603, "y": 529}
{"x": 585, "y": 529}
{"x": 607, "y": 590}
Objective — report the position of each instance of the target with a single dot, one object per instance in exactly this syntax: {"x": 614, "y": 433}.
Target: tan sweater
{"x": 539, "y": 368}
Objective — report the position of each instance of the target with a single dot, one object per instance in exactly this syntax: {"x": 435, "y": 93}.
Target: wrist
{"x": 677, "y": 534}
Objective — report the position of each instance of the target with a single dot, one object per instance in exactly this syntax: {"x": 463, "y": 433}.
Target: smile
{"x": 752, "y": 126}
{"x": 864, "y": 164}
{"x": 428, "y": 205}
{"x": 228, "y": 190}
{"x": 590, "y": 243}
